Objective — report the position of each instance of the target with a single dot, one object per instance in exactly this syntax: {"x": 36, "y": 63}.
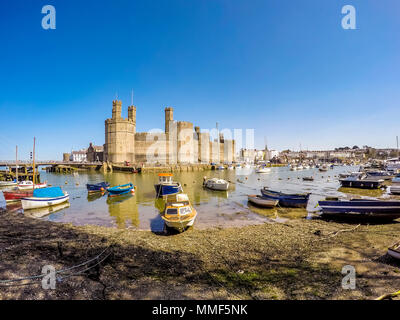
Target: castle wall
{"x": 151, "y": 147}
{"x": 185, "y": 142}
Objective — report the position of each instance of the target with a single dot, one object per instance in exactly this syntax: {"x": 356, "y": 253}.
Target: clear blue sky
{"x": 285, "y": 68}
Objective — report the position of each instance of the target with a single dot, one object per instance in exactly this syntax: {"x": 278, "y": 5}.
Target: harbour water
{"x": 215, "y": 208}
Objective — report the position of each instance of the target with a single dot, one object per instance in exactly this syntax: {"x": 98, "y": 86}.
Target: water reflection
{"x": 215, "y": 208}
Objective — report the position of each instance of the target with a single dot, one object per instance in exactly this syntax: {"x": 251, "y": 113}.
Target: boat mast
{"x": 33, "y": 162}
{"x": 16, "y": 162}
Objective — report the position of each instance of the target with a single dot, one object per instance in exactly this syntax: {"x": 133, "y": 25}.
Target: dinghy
{"x": 308, "y": 179}
{"x": 298, "y": 200}
{"x": 361, "y": 208}
{"x": 166, "y": 186}
{"x": 28, "y": 185}
{"x": 394, "y": 251}
{"x": 178, "y": 213}
{"x": 216, "y": 184}
{"x": 44, "y": 197}
{"x": 121, "y": 189}
{"x": 263, "y": 169}
{"x": 97, "y": 187}
{"x": 261, "y": 201}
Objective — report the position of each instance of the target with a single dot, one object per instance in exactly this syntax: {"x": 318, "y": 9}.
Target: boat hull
{"x": 11, "y": 196}
{"x": 262, "y": 202}
{"x": 217, "y": 186}
{"x": 361, "y": 184}
{"x": 387, "y": 210}
{"x": 167, "y": 189}
{"x": 179, "y": 225}
{"x": 287, "y": 200}
{"x": 98, "y": 187}
{"x": 35, "y": 203}
{"x": 394, "y": 251}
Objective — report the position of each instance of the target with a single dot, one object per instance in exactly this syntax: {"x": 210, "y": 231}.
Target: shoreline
{"x": 298, "y": 259}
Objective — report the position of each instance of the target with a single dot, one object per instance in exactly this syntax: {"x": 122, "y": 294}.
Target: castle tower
{"x": 169, "y": 116}
{"x": 117, "y": 109}
{"x": 120, "y": 135}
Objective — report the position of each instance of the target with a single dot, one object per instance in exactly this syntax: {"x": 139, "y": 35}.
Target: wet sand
{"x": 296, "y": 259}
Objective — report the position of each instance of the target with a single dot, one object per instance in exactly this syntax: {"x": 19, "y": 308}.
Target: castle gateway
{"x": 180, "y": 143}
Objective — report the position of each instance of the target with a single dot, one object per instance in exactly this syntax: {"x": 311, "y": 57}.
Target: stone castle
{"x": 181, "y": 143}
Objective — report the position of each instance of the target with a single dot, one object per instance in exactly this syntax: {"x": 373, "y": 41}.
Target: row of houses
{"x": 91, "y": 154}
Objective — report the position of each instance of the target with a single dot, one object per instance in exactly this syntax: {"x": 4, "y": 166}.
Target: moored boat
{"x": 178, "y": 213}
{"x": 44, "y": 197}
{"x": 262, "y": 201}
{"x": 263, "y": 169}
{"x": 308, "y": 179}
{"x": 360, "y": 180}
{"x": 323, "y": 168}
{"x": 384, "y": 175}
{"x": 166, "y": 186}
{"x": 97, "y": 187}
{"x": 28, "y": 185}
{"x": 216, "y": 184}
{"x": 298, "y": 200}
{"x": 121, "y": 189}
{"x": 361, "y": 208}
{"x": 394, "y": 250}
{"x": 16, "y": 195}
{"x": 8, "y": 183}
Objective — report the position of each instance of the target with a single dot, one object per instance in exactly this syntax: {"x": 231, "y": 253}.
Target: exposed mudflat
{"x": 297, "y": 259}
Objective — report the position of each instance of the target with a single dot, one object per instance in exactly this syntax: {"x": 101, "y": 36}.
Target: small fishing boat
{"x": 300, "y": 167}
{"x": 298, "y": 200}
{"x": 361, "y": 208}
{"x": 323, "y": 168}
{"x": 230, "y": 167}
{"x": 216, "y": 184}
{"x": 8, "y": 183}
{"x": 121, "y": 189}
{"x": 220, "y": 168}
{"x": 44, "y": 197}
{"x": 28, "y": 185}
{"x": 97, "y": 187}
{"x": 263, "y": 169}
{"x": 308, "y": 179}
{"x": 261, "y": 201}
{"x": 306, "y": 167}
{"x": 166, "y": 186}
{"x": 238, "y": 166}
{"x": 16, "y": 195}
{"x": 178, "y": 213}
{"x": 293, "y": 167}
{"x": 394, "y": 250}
{"x": 344, "y": 175}
{"x": 360, "y": 180}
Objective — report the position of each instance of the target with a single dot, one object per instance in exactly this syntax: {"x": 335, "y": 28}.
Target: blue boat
{"x": 97, "y": 187}
{"x": 121, "y": 189}
{"x": 361, "y": 208}
{"x": 287, "y": 200}
{"x": 166, "y": 186}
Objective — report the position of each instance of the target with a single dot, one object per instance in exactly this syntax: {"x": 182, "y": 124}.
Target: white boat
{"x": 396, "y": 179}
{"x": 230, "y": 167}
{"x": 306, "y": 167}
{"x": 293, "y": 167}
{"x": 238, "y": 166}
{"x": 261, "y": 201}
{"x": 263, "y": 169}
{"x": 27, "y": 185}
{"x": 44, "y": 197}
{"x": 220, "y": 168}
{"x": 8, "y": 183}
{"x": 179, "y": 213}
{"x": 216, "y": 184}
{"x": 300, "y": 167}
{"x": 246, "y": 166}
{"x": 45, "y": 211}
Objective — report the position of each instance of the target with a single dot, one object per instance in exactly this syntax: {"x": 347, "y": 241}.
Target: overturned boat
{"x": 297, "y": 200}
{"x": 361, "y": 208}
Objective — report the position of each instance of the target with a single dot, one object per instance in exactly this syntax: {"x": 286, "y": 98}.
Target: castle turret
{"x": 117, "y": 109}
{"x": 132, "y": 115}
{"x": 169, "y": 116}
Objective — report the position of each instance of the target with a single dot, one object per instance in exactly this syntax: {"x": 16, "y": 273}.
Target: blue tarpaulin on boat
{"x": 52, "y": 192}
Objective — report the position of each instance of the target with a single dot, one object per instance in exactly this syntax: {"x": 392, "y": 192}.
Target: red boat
{"x": 16, "y": 195}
